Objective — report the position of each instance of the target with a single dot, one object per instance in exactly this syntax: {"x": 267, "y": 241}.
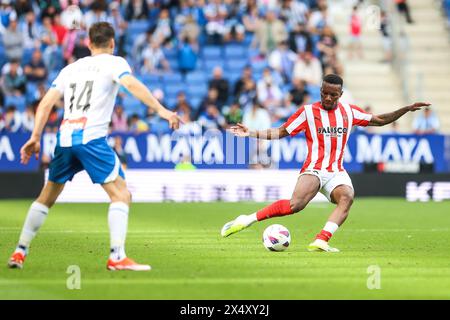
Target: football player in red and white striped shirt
{"x": 327, "y": 125}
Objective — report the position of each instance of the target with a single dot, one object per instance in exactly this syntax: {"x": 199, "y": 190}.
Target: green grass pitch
{"x": 409, "y": 242}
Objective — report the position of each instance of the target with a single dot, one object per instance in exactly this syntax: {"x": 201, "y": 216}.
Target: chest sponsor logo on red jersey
{"x": 332, "y": 131}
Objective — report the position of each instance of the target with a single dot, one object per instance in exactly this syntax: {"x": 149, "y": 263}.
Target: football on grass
{"x": 276, "y": 237}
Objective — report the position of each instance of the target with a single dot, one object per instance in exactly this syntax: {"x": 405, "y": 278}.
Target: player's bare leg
{"x": 118, "y": 224}
{"x": 342, "y": 196}
{"x": 305, "y": 190}
{"x": 35, "y": 219}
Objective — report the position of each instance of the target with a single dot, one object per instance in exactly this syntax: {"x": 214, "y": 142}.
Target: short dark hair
{"x": 333, "y": 79}
{"x": 100, "y": 34}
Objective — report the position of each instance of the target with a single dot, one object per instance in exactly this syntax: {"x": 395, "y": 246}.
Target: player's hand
{"x": 240, "y": 130}
{"x": 32, "y": 146}
{"x": 418, "y": 105}
{"x": 174, "y": 120}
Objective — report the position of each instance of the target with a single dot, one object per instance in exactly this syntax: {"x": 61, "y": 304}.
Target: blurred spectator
{"x": 215, "y": 13}
{"x": 234, "y": 30}
{"x": 31, "y": 30}
{"x": 257, "y": 118}
{"x": 120, "y": 26}
{"x": 385, "y": 33}
{"x": 269, "y": 94}
{"x": 233, "y": 114}
{"x": 54, "y": 120}
{"x": 212, "y": 97}
{"x": 97, "y": 13}
{"x": 403, "y": 7}
{"x": 163, "y": 31}
{"x": 187, "y": 55}
{"x": 211, "y": 118}
{"x": 239, "y": 85}
{"x": 119, "y": 122}
{"x": 319, "y": 18}
{"x": 251, "y": 17}
{"x": 28, "y": 118}
{"x": 154, "y": 59}
{"x": 221, "y": 84}
{"x": 13, "y": 41}
{"x": 35, "y": 70}
{"x": 190, "y": 30}
{"x": 308, "y": 68}
{"x": 22, "y": 7}
{"x": 49, "y": 44}
{"x": 355, "y": 46}
{"x": 269, "y": 32}
{"x": 140, "y": 43}
{"x": 7, "y": 14}
{"x": 13, "y": 79}
{"x": 74, "y": 44}
{"x": 138, "y": 125}
{"x": 294, "y": 13}
{"x": 247, "y": 94}
{"x": 12, "y": 119}
{"x": 49, "y": 8}
{"x": 282, "y": 59}
{"x": 328, "y": 47}
{"x": 118, "y": 149}
{"x": 298, "y": 94}
{"x": 426, "y": 122}
{"x": 300, "y": 39}
{"x": 182, "y": 106}
{"x": 137, "y": 10}
{"x": 58, "y": 28}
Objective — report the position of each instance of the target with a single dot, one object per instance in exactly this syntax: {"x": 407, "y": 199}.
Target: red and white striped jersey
{"x": 326, "y": 133}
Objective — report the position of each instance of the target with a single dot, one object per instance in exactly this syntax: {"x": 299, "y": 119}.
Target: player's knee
{"x": 297, "y": 205}
{"x": 346, "y": 200}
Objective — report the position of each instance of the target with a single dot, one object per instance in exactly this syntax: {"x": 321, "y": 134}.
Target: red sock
{"x": 324, "y": 235}
{"x": 277, "y": 209}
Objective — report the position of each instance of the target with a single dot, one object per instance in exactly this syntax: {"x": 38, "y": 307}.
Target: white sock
{"x": 118, "y": 224}
{"x": 331, "y": 227}
{"x": 35, "y": 218}
{"x": 252, "y": 218}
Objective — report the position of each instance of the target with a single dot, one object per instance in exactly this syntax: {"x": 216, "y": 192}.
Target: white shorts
{"x": 330, "y": 180}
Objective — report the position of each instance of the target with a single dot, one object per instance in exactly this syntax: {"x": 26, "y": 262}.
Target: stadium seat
{"x": 212, "y": 52}
{"x": 173, "y": 88}
{"x": 173, "y": 63}
{"x": 196, "y": 77}
{"x": 150, "y": 77}
{"x": 170, "y": 53}
{"x": 133, "y": 106}
{"x": 172, "y": 77}
{"x": 258, "y": 65}
{"x": 31, "y": 89}
{"x": 235, "y": 51}
{"x": 314, "y": 92}
{"x": 159, "y": 127}
{"x": 232, "y": 77}
{"x": 19, "y": 102}
{"x": 209, "y": 65}
{"x": 197, "y": 90}
{"x": 236, "y": 64}
{"x": 170, "y": 101}
{"x": 136, "y": 27}
{"x": 27, "y": 54}
{"x": 195, "y": 102}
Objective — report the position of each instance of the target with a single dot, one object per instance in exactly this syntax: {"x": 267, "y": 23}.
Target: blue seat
{"x": 197, "y": 90}
{"x": 173, "y": 62}
{"x": 235, "y": 51}
{"x": 236, "y": 64}
{"x": 196, "y": 77}
{"x": 212, "y": 52}
{"x": 150, "y": 77}
{"x": 159, "y": 127}
{"x": 233, "y": 76}
{"x": 31, "y": 90}
{"x": 170, "y": 53}
{"x": 136, "y": 27}
{"x": 173, "y": 77}
{"x": 209, "y": 65}
{"x": 195, "y": 102}
{"x": 314, "y": 92}
{"x": 170, "y": 101}
{"x": 173, "y": 88}
{"x": 133, "y": 106}
{"x": 18, "y": 101}
{"x": 258, "y": 65}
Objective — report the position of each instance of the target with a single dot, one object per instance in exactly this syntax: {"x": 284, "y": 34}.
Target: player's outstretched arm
{"x": 33, "y": 145}
{"x": 141, "y": 92}
{"x": 240, "y": 130}
{"x": 384, "y": 119}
